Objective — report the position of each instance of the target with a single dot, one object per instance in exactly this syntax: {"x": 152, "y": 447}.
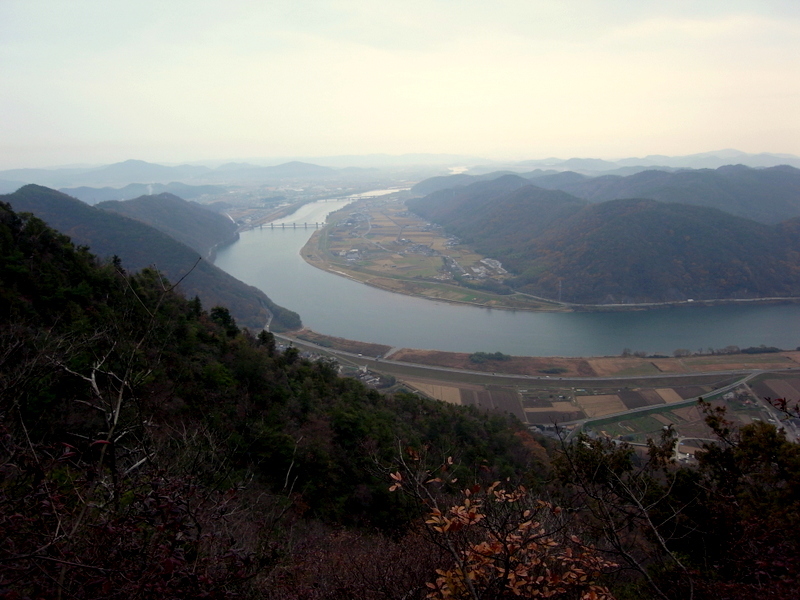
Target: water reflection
{"x": 330, "y": 304}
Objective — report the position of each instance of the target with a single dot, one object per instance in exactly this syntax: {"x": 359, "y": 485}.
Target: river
{"x": 270, "y": 260}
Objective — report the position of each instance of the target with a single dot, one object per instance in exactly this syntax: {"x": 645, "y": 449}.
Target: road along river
{"x": 270, "y": 260}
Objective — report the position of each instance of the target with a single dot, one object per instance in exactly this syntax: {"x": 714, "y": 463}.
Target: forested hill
{"x": 508, "y": 209}
{"x": 767, "y": 195}
{"x": 92, "y": 195}
{"x": 476, "y": 196}
{"x": 647, "y": 251}
{"x": 446, "y": 182}
{"x": 150, "y": 449}
{"x": 188, "y": 222}
{"x": 183, "y": 457}
{"x": 764, "y": 195}
{"x": 619, "y": 251}
{"x": 139, "y": 245}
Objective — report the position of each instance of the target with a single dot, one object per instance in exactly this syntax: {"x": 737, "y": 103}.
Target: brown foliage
{"x": 502, "y": 543}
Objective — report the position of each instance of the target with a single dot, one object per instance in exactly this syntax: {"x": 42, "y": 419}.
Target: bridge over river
{"x": 293, "y": 225}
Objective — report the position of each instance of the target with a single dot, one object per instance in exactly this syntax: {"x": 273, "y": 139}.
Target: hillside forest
{"x": 151, "y": 448}
{"x": 636, "y": 250}
{"x": 163, "y": 232}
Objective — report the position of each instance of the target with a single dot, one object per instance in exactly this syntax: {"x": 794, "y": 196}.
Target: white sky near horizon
{"x": 178, "y": 81}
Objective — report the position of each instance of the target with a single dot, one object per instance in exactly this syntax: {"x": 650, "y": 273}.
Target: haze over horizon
{"x": 101, "y": 82}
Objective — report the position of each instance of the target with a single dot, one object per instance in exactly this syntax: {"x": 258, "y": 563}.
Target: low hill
{"x": 765, "y": 195}
{"x": 505, "y": 211}
{"x": 152, "y": 449}
{"x": 621, "y": 251}
{"x": 142, "y": 172}
{"x": 468, "y": 198}
{"x": 121, "y": 173}
{"x": 243, "y": 172}
{"x": 446, "y": 182}
{"x": 648, "y": 251}
{"x": 768, "y": 195}
{"x": 139, "y": 245}
{"x": 92, "y": 195}
{"x": 188, "y": 222}
{"x": 187, "y": 459}
{"x": 145, "y": 172}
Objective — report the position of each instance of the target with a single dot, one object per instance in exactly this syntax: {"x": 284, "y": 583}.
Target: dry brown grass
{"x": 688, "y": 413}
{"x": 606, "y": 366}
{"x": 445, "y": 393}
{"x": 668, "y": 365}
{"x": 345, "y": 345}
{"x": 669, "y": 395}
{"x": 601, "y": 405}
{"x": 785, "y": 388}
{"x": 793, "y": 356}
{"x": 565, "y": 407}
{"x": 517, "y": 365}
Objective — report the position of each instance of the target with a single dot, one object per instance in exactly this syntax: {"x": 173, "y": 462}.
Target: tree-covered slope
{"x": 767, "y": 195}
{"x": 648, "y": 251}
{"x": 278, "y": 408}
{"x": 621, "y": 250}
{"x": 446, "y": 182}
{"x": 93, "y": 195}
{"x": 188, "y": 222}
{"x": 499, "y": 213}
{"x": 138, "y": 246}
{"x": 150, "y": 449}
{"x": 477, "y": 196}
{"x": 764, "y": 195}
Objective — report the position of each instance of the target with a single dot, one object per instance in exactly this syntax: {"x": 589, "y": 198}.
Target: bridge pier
{"x": 315, "y": 225}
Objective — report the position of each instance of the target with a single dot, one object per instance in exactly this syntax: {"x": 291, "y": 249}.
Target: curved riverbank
{"x": 556, "y": 367}
{"x": 314, "y": 255}
{"x": 375, "y": 241}
{"x": 336, "y": 306}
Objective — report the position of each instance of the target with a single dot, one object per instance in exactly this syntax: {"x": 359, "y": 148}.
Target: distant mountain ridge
{"x": 361, "y": 166}
{"x": 703, "y": 160}
{"x": 768, "y": 195}
{"x": 620, "y": 251}
{"x": 92, "y": 195}
{"x": 139, "y": 245}
{"x": 137, "y": 171}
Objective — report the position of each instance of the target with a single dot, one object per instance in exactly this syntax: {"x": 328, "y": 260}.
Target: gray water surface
{"x": 269, "y": 259}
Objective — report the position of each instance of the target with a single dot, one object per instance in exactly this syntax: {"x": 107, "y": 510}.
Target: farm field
{"x": 378, "y": 242}
{"x": 788, "y": 388}
{"x": 558, "y": 367}
{"x": 546, "y": 406}
{"x": 743, "y": 406}
{"x": 617, "y": 396}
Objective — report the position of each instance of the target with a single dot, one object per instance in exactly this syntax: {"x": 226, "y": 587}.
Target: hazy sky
{"x": 184, "y": 80}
